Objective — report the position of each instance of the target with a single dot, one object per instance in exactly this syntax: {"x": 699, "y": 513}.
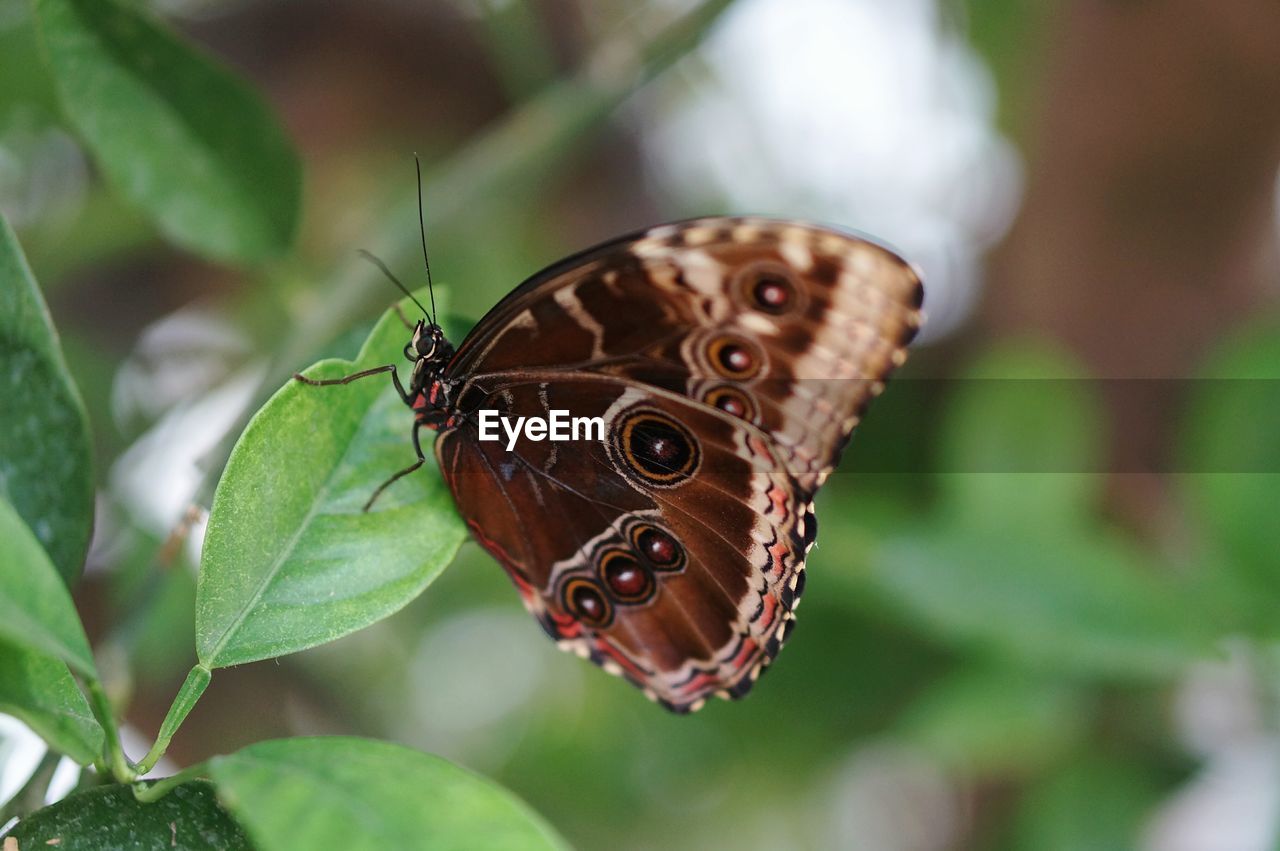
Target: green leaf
{"x": 349, "y": 794}
{"x": 176, "y": 134}
{"x": 36, "y": 611}
{"x": 25, "y": 87}
{"x": 290, "y": 558}
{"x": 1230, "y": 445}
{"x": 1021, "y": 440}
{"x": 108, "y": 818}
{"x": 1094, "y": 804}
{"x": 39, "y": 690}
{"x": 45, "y": 469}
{"x": 997, "y": 719}
{"x": 1067, "y": 601}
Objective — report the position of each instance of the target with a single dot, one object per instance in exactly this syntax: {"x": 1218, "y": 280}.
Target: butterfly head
{"x": 429, "y": 351}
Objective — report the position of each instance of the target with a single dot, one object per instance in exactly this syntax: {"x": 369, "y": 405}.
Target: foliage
{"x": 362, "y": 794}
{"x": 179, "y": 136}
{"x": 44, "y": 437}
{"x": 984, "y": 611}
{"x": 109, "y": 817}
{"x": 287, "y": 530}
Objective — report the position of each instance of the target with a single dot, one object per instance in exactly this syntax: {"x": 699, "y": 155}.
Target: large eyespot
{"x": 628, "y": 580}
{"x": 656, "y": 448}
{"x": 585, "y": 600}
{"x": 658, "y": 547}
{"x": 768, "y": 287}
{"x": 732, "y": 401}
{"x": 734, "y": 357}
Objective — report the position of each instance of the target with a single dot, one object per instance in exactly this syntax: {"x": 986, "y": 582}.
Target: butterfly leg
{"x": 347, "y": 379}
{"x": 417, "y": 447}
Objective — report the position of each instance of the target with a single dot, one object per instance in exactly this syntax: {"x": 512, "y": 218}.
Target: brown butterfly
{"x": 729, "y": 360}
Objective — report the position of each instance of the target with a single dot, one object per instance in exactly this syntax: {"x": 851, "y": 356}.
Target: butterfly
{"x": 729, "y": 360}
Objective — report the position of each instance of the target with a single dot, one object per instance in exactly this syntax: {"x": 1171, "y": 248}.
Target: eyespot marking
{"x": 658, "y": 547}
{"x": 626, "y": 578}
{"x": 768, "y": 287}
{"x": 656, "y": 448}
{"x": 583, "y": 599}
{"x": 734, "y": 357}
{"x": 732, "y": 401}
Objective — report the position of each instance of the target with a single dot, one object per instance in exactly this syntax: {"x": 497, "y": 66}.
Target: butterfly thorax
{"x": 429, "y": 394}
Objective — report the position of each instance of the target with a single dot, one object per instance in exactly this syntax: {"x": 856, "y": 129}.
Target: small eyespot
{"x": 583, "y": 599}
{"x": 732, "y": 401}
{"x": 768, "y": 287}
{"x": 627, "y": 579}
{"x": 734, "y": 357}
{"x": 656, "y": 447}
{"x": 658, "y": 547}
{"x": 772, "y": 293}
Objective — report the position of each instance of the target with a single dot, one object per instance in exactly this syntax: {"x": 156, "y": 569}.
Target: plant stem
{"x": 149, "y": 793}
{"x": 194, "y": 685}
{"x": 31, "y": 796}
{"x": 91, "y": 779}
{"x": 119, "y": 765}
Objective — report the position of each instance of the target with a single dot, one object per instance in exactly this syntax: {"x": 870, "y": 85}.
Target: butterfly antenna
{"x": 383, "y": 266}
{"x": 422, "y": 232}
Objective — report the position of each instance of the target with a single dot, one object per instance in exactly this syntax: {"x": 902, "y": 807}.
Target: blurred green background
{"x": 1042, "y": 611}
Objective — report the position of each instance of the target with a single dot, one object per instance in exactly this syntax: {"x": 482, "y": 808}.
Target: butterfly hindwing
{"x": 675, "y": 568}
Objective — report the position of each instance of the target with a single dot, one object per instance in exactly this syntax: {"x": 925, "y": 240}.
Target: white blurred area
{"x": 1225, "y": 717}
{"x": 187, "y": 382}
{"x": 43, "y": 173}
{"x": 472, "y": 680}
{"x": 892, "y": 798}
{"x": 868, "y": 114}
{"x": 20, "y": 752}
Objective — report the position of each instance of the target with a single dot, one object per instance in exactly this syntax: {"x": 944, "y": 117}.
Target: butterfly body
{"x": 729, "y": 360}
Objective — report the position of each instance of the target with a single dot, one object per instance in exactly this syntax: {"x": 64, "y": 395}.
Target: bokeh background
{"x": 1042, "y": 611}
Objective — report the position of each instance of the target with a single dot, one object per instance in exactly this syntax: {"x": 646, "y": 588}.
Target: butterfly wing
{"x": 729, "y": 359}
{"x": 791, "y": 325}
{"x": 669, "y": 553}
